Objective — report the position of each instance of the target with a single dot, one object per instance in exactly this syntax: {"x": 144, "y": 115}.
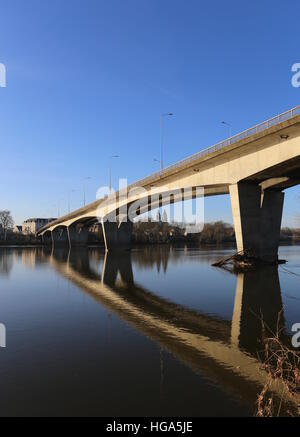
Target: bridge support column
{"x": 59, "y": 236}
{"x": 257, "y": 220}
{"x": 47, "y": 238}
{"x": 78, "y": 235}
{"x": 117, "y": 234}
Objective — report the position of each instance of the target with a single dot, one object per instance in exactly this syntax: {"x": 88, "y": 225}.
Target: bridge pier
{"x": 117, "y": 234}
{"x": 59, "y": 236}
{"x": 78, "y": 235}
{"x": 257, "y": 220}
{"x": 47, "y": 238}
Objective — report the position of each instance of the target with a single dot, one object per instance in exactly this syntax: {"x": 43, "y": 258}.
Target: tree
{"x": 6, "y": 222}
{"x": 217, "y": 232}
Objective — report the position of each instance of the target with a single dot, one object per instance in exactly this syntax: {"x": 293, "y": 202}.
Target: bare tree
{"x": 6, "y": 222}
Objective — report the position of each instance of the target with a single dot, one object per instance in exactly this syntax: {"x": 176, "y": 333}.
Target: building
{"x": 17, "y": 229}
{"x": 32, "y": 225}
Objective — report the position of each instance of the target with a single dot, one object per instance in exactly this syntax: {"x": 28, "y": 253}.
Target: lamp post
{"x": 58, "y": 206}
{"x": 84, "y": 180}
{"x": 69, "y": 199}
{"x": 169, "y": 114}
{"x": 111, "y": 157}
{"x": 53, "y": 208}
{"x": 230, "y": 128}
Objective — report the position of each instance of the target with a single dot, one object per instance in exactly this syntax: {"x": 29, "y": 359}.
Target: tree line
{"x": 159, "y": 231}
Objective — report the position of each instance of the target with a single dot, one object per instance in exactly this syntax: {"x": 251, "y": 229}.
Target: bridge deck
{"x": 242, "y": 139}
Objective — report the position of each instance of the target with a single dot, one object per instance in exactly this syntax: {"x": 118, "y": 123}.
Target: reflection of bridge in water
{"x": 224, "y": 351}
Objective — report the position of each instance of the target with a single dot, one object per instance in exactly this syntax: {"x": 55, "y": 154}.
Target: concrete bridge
{"x": 254, "y": 167}
{"x": 224, "y": 351}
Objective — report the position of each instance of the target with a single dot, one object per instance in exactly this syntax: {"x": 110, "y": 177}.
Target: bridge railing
{"x": 235, "y": 138}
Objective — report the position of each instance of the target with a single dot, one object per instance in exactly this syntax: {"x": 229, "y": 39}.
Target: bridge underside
{"x": 257, "y": 212}
{"x": 278, "y": 177}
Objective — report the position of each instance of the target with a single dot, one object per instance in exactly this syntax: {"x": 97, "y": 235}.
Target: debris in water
{"x": 243, "y": 260}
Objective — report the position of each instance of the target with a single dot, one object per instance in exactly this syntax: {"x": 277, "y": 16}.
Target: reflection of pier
{"x": 224, "y": 351}
{"x": 5, "y": 262}
{"x": 257, "y": 300}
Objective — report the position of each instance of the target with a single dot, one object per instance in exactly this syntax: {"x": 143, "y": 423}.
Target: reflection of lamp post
{"x": 111, "y": 157}
{"x": 230, "y": 128}
{"x": 69, "y": 196}
{"x": 85, "y": 179}
{"x": 162, "y": 138}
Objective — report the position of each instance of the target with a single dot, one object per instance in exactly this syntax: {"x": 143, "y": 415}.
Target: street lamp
{"x": 85, "y": 179}
{"x": 162, "y": 138}
{"x": 69, "y": 196}
{"x": 58, "y": 206}
{"x": 52, "y": 209}
{"x": 111, "y": 157}
{"x": 230, "y": 128}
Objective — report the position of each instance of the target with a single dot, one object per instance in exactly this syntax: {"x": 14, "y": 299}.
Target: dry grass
{"x": 281, "y": 363}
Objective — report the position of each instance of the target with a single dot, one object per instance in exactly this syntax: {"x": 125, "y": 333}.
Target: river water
{"x": 151, "y": 331}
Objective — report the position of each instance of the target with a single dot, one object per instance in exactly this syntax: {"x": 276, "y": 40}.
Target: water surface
{"x": 147, "y": 331}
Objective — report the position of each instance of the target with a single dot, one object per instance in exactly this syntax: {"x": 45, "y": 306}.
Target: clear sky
{"x": 87, "y": 79}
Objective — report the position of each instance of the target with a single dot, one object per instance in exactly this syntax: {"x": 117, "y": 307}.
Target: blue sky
{"x": 89, "y": 79}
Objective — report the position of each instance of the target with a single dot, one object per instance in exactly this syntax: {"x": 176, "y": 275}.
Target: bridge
{"x": 254, "y": 167}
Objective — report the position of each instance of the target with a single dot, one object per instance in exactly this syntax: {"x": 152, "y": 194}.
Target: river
{"x": 151, "y": 331}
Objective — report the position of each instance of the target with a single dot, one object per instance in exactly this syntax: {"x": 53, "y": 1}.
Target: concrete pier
{"x": 47, "y": 238}
{"x": 78, "y": 235}
{"x": 117, "y": 234}
{"x": 59, "y": 236}
{"x": 257, "y": 218}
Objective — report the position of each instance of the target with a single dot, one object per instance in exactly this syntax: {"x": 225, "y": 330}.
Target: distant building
{"x": 32, "y": 225}
{"x": 17, "y": 229}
